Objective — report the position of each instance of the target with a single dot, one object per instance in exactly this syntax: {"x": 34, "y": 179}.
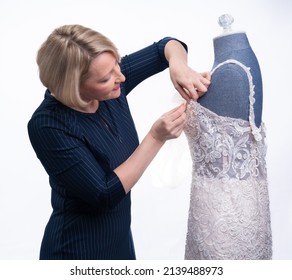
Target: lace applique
{"x": 223, "y": 147}
{"x": 229, "y": 216}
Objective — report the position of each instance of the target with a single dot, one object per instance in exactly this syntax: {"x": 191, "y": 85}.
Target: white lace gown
{"x": 229, "y": 215}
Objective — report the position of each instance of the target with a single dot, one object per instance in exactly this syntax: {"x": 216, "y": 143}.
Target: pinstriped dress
{"x": 91, "y": 214}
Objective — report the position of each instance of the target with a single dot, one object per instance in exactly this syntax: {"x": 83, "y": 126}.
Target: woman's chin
{"x": 115, "y": 94}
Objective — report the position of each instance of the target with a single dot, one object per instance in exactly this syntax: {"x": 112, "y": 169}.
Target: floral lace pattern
{"x": 229, "y": 215}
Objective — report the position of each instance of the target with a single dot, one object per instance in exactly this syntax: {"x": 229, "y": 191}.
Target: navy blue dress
{"x": 91, "y": 217}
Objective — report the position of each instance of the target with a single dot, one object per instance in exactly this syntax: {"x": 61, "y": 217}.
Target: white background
{"x": 160, "y": 199}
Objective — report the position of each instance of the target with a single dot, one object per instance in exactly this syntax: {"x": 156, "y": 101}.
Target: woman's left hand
{"x": 189, "y": 83}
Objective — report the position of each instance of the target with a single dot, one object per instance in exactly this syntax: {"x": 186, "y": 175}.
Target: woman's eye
{"x": 104, "y": 80}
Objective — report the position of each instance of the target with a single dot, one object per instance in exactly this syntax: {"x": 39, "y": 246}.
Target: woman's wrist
{"x": 154, "y": 138}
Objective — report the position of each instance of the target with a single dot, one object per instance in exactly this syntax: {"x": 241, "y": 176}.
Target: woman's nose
{"x": 121, "y": 78}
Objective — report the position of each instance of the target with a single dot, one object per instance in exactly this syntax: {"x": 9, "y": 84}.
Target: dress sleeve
{"x": 75, "y": 173}
{"x": 145, "y": 63}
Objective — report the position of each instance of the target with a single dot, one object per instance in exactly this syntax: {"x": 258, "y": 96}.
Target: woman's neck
{"x": 92, "y": 107}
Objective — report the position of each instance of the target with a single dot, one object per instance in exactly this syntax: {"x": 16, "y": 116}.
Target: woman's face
{"x": 104, "y": 79}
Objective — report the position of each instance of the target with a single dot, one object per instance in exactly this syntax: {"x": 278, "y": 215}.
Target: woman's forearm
{"x": 175, "y": 51}
{"x": 168, "y": 126}
{"x": 133, "y": 168}
{"x": 189, "y": 83}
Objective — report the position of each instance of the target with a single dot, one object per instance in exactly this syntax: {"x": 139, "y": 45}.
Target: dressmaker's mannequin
{"x": 229, "y": 215}
{"x": 229, "y": 90}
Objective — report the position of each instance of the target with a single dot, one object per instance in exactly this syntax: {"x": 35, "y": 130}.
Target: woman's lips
{"x": 116, "y": 87}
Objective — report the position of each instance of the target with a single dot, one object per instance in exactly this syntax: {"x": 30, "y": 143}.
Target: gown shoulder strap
{"x": 255, "y": 130}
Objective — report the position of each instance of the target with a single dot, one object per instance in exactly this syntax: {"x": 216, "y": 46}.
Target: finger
{"x": 179, "y": 121}
{"x": 176, "y": 133}
{"x": 184, "y": 94}
{"x": 206, "y": 75}
{"x": 202, "y": 87}
{"x": 193, "y": 92}
{"x": 190, "y": 92}
{"x": 200, "y": 93}
{"x": 178, "y": 125}
{"x": 174, "y": 114}
{"x": 183, "y": 106}
{"x": 177, "y": 116}
{"x": 206, "y": 82}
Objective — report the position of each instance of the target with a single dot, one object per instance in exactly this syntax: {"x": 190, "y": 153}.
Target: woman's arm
{"x": 189, "y": 83}
{"x": 169, "y": 126}
{"x": 144, "y": 63}
{"x": 76, "y": 173}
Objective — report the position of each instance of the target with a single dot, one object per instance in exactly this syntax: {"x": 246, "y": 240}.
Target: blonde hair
{"x": 64, "y": 59}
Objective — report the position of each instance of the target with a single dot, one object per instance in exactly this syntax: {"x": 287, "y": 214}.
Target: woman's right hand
{"x": 170, "y": 125}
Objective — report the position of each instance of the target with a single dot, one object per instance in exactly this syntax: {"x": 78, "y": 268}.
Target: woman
{"x": 85, "y": 138}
